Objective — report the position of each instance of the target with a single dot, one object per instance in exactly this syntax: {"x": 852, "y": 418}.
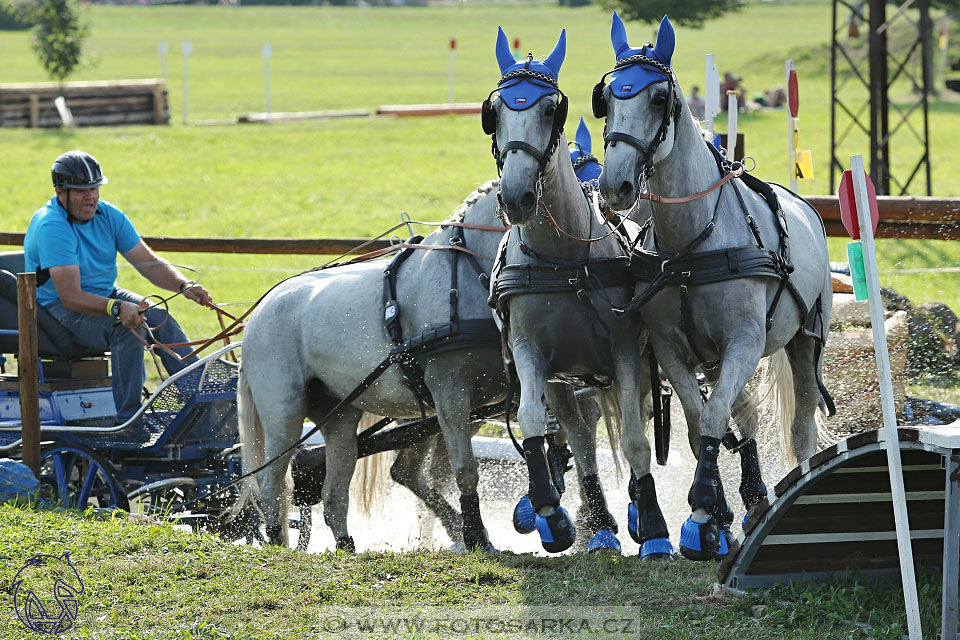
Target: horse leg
{"x": 453, "y": 413}
{"x": 700, "y": 535}
{"x": 801, "y": 351}
{"x": 582, "y": 437}
{"x": 340, "y": 438}
{"x": 645, "y": 520}
{"x": 407, "y": 470}
{"x": 753, "y": 491}
{"x": 556, "y": 529}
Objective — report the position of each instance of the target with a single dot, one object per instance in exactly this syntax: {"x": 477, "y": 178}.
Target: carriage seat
{"x": 54, "y": 341}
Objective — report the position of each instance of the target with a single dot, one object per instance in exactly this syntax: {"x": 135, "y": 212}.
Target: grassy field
{"x": 150, "y": 582}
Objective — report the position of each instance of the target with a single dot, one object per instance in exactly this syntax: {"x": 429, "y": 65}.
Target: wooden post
{"x": 28, "y": 371}
{"x": 34, "y": 110}
{"x": 158, "y": 104}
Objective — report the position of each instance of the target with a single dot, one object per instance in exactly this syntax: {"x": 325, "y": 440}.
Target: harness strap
{"x": 735, "y": 173}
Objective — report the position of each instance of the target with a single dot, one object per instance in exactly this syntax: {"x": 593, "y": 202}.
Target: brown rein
{"x": 735, "y": 173}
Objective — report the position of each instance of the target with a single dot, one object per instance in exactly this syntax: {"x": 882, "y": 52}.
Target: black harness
{"x": 455, "y": 334}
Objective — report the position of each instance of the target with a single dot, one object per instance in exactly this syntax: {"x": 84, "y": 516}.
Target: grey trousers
{"x": 126, "y": 351}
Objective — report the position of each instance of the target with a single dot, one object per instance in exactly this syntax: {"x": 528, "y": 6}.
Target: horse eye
{"x": 658, "y": 100}
{"x": 550, "y": 110}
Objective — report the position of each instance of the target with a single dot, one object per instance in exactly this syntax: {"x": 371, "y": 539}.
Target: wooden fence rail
{"x": 910, "y": 217}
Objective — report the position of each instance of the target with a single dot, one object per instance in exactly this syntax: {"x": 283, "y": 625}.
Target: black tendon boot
{"x": 553, "y": 523}
{"x": 645, "y": 519}
{"x": 701, "y": 541}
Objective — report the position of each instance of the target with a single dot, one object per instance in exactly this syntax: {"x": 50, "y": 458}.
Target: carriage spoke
{"x": 87, "y": 487}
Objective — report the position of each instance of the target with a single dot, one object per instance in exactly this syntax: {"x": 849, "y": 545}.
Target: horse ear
{"x": 618, "y": 35}
{"x": 583, "y": 137}
{"x": 666, "y": 41}
{"x": 504, "y": 54}
{"x": 555, "y": 60}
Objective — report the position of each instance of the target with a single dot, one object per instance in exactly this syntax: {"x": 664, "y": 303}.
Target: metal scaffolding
{"x": 880, "y": 76}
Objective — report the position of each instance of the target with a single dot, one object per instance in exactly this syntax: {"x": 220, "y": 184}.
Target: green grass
{"x": 143, "y": 581}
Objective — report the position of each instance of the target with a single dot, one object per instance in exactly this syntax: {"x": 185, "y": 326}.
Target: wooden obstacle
{"x": 833, "y": 514}
{"x": 93, "y": 104}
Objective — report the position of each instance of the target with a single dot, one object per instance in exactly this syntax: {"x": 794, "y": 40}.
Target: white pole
{"x": 711, "y": 92}
{"x": 163, "y": 60}
{"x": 186, "y": 48}
{"x": 453, "y": 50}
{"x": 267, "y": 52}
{"x": 732, "y": 113}
{"x": 791, "y": 152}
{"x": 891, "y": 440}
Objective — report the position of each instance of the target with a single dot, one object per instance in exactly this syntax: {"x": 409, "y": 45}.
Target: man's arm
{"x": 163, "y": 274}
{"x": 67, "y": 281}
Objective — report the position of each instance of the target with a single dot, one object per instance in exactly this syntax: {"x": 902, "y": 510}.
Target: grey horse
{"x": 719, "y": 285}
{"x": 560, "y": 271}
{"x": 315, "y": 337}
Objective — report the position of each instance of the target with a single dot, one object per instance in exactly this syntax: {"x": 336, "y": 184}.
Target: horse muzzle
{"x": 519, "y": 205}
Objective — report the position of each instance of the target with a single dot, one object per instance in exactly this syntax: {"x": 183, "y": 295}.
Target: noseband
{"x": 672, "y": 112}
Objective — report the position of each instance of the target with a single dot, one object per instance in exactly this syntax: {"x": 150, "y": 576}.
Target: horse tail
{"x": 610, "y": 412}
{"x": 371, "y": 474}
{"x": 776, "y": 383}
{"x": 252, "y": 448}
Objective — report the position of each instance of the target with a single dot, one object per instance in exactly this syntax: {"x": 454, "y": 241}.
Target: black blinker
{"x": 599, "y": 102}
{"x": 488, "y": 118}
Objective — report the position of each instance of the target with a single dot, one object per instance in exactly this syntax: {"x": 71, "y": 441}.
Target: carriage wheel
{"x": 78, "y": 478}
{"x": 165, "y": 500}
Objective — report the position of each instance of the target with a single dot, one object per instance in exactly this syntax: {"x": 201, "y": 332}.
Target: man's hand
{"x": 130, "y": 315}
{"x": 198, "y": 294}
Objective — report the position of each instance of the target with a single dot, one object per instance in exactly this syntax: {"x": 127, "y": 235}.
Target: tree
{"x": 58, "y": 37}
{"x": 684, "y": 13}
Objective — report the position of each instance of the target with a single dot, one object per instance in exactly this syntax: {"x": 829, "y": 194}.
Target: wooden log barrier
{"x": 117, "y": 102}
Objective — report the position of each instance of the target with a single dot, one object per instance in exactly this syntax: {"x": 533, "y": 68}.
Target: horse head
{"x": 642, "y": 106}
{"x": 525, "y": 115}
{"x": 585, "y": 164}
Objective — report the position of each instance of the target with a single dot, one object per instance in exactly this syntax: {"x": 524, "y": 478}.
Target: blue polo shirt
{"x": 53, "y": 241}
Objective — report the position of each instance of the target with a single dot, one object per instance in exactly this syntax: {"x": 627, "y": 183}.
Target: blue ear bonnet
{"x": 589, "y": 167}
{"x": 522, "y": 93}
{"x": 631, "y": 80}
{"x": 519, "y": 93}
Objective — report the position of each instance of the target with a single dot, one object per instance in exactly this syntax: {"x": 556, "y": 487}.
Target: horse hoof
{"x": 633, "y": 522}
{"x": 656, "y": 549}
{"x": 346, "y": 544}
{"x": 700, "y": 541}
{"x": 557, "y": 532}
{"x": 524, "y": 517}
{"x": 604, "y": 540}
{"x": 481, "y": 543}
{"x": 275, "y": 535}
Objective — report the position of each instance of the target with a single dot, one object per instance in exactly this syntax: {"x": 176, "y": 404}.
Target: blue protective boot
{"x": 645, "y": 520}
{"x": 557, "y": 532}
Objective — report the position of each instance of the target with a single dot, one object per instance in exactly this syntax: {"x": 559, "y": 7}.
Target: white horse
{"x": 315, "y": 337}
{"x": 729, "y": 274}
{"x": 554, "y": 291}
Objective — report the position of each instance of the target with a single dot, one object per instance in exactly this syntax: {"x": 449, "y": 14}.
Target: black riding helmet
{"x": 77, "y": 170}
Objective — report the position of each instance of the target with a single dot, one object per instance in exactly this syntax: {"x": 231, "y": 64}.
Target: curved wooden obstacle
{"x": 833, "y": 514}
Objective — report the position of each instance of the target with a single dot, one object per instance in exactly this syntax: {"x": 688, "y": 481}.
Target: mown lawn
{"x": 151, "y": 581}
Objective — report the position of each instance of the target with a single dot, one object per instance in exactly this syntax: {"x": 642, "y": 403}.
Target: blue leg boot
{"x": 701, "y": 540}
{"x": 524, "y": 517}
{"x": 557, "y": 532}
{"x": 600, "y": 519}
{"x": 645, "y": 520}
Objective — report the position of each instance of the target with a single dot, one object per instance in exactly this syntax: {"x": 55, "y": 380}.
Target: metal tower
{"x": 880, "y": 74}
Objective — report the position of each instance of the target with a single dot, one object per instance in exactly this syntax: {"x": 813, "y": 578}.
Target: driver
{"x": 72, "y": 243}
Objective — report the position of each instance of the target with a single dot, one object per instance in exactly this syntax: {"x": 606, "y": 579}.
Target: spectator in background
{"x": 697, "y": 104}
{"x": 730, "y": 83}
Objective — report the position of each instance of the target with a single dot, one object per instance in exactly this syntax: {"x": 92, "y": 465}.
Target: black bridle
{"x": 672, "y": 112}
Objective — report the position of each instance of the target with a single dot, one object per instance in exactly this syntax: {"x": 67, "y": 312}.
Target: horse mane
{"x": 473, "y": 198}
